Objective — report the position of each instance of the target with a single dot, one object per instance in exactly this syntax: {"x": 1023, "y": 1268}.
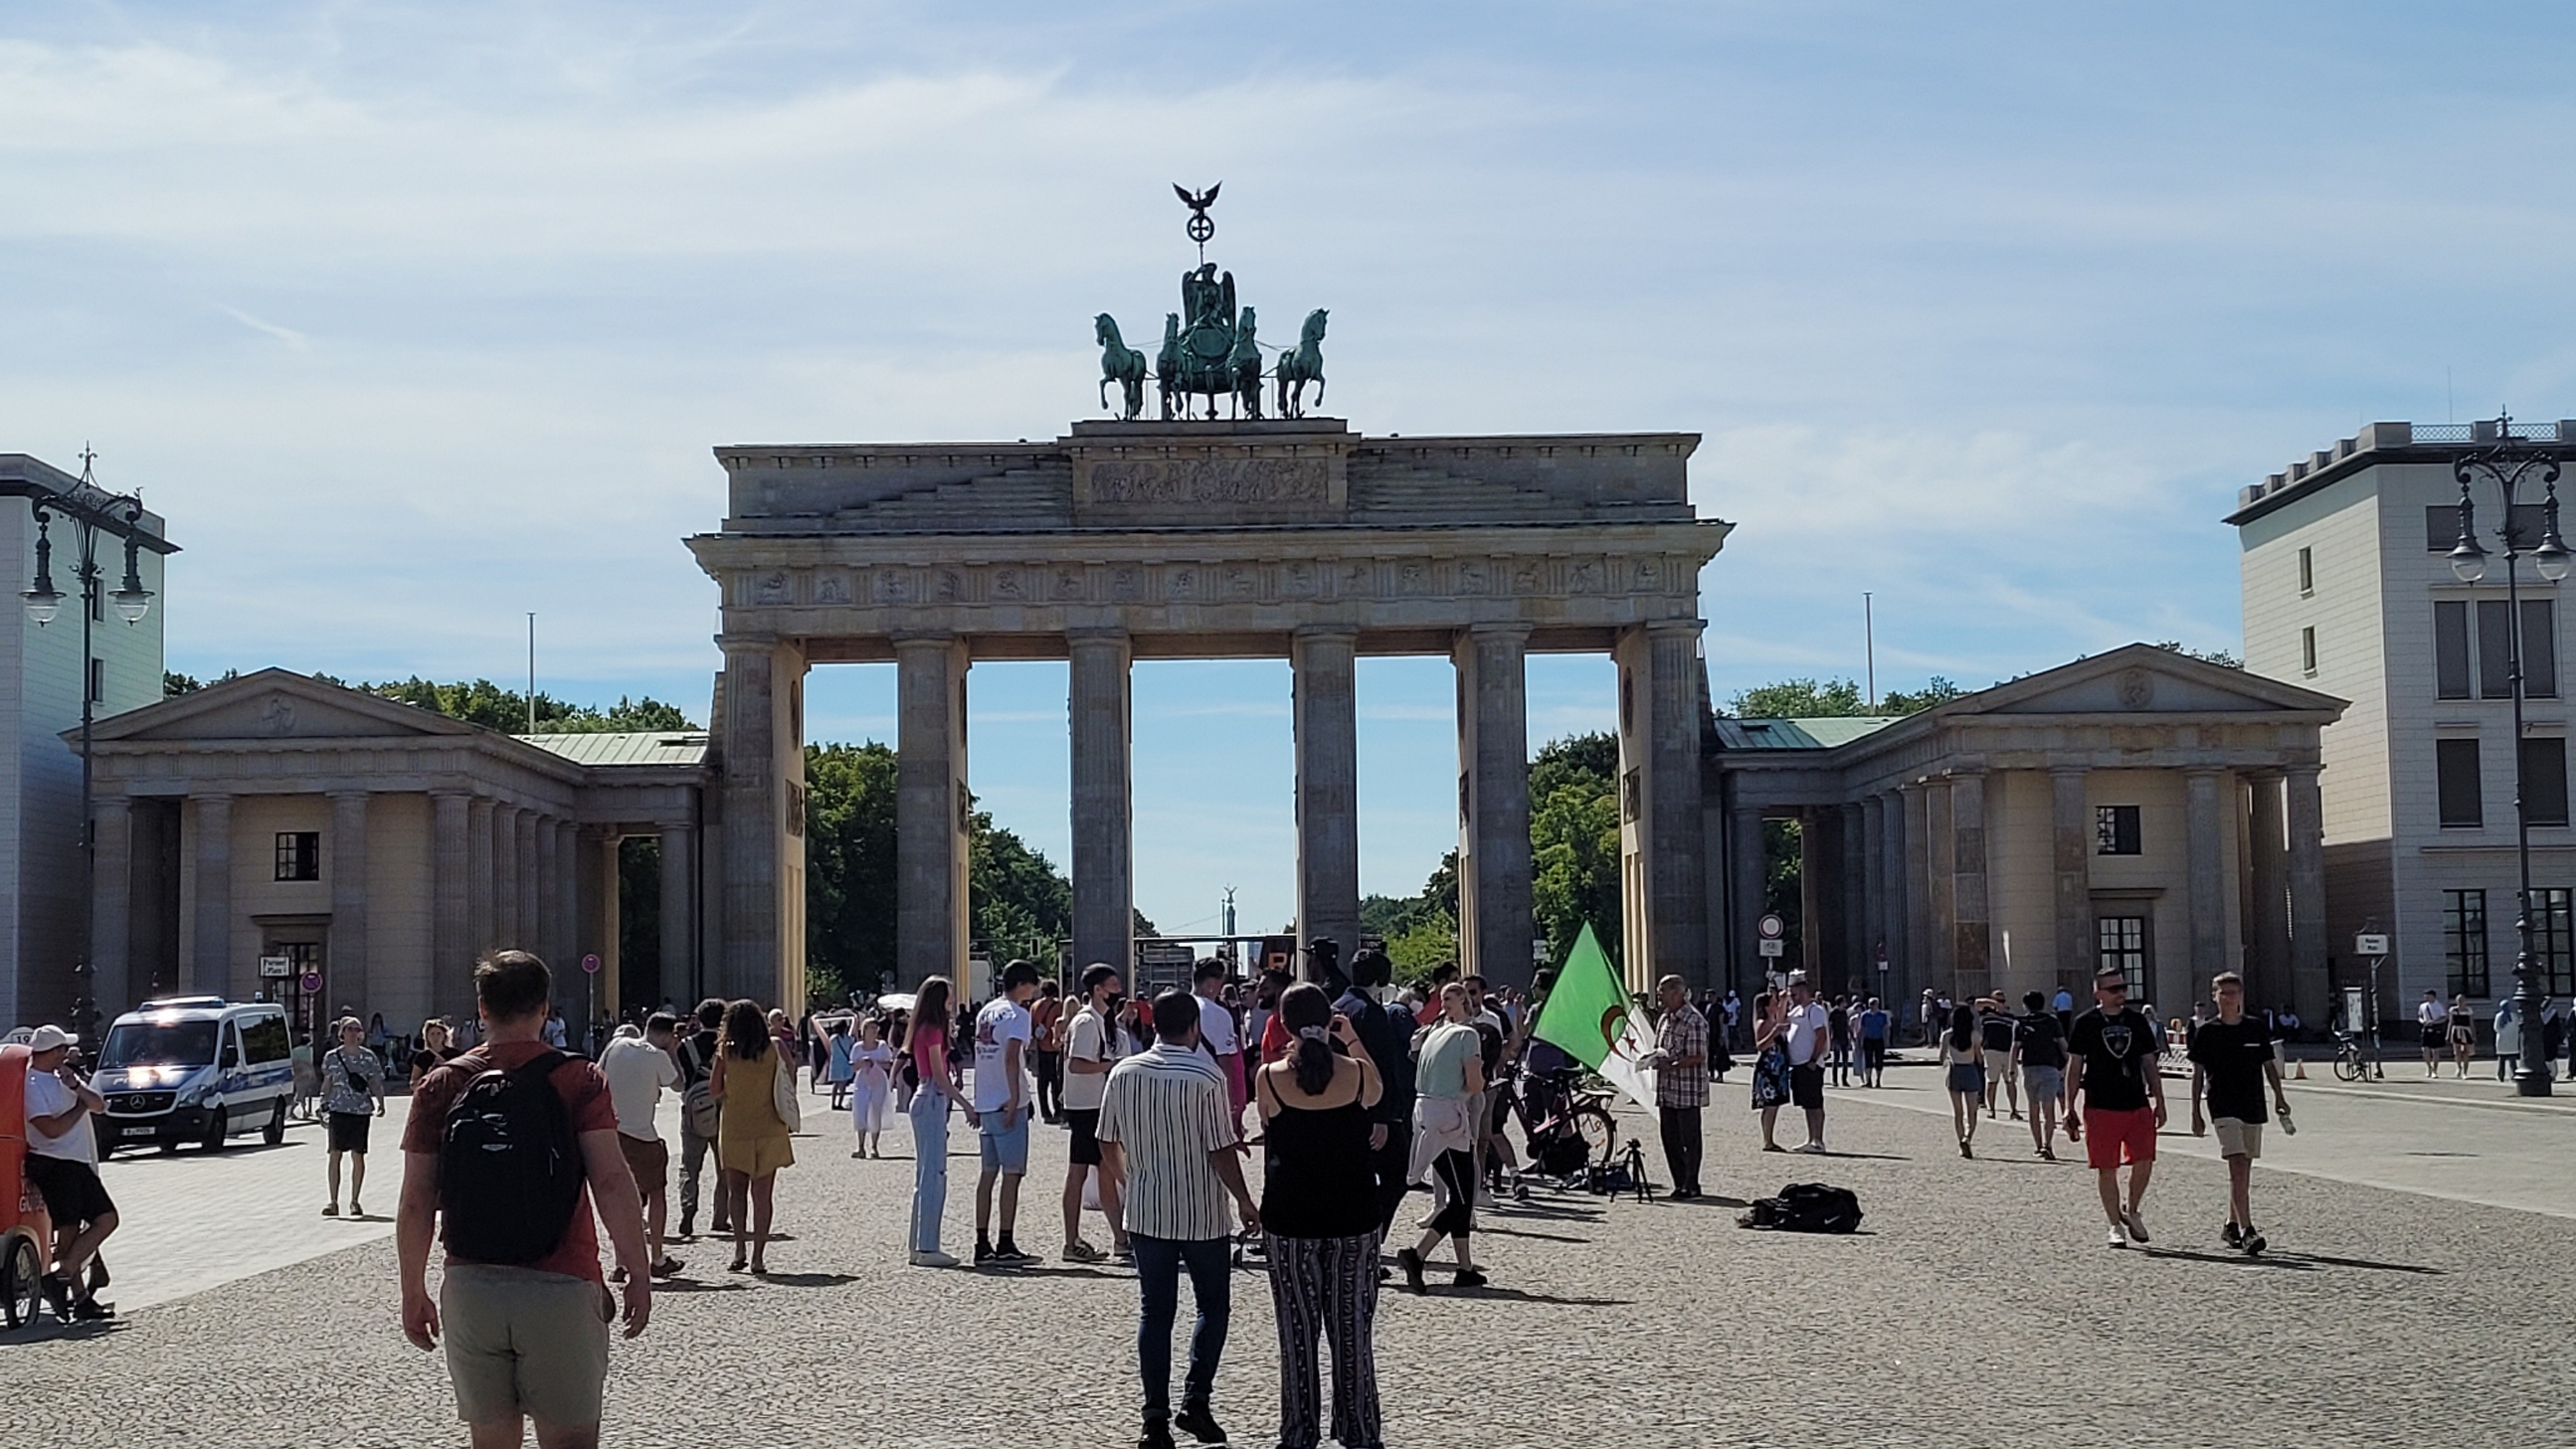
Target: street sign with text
{"x": 2370, "y": 944}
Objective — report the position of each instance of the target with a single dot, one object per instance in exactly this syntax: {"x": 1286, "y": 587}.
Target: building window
{"x": 2544, "y": 780}
{"x": 2455, "y": 782}
{"x": 2451, "y": 649}
{"x": 2539, "y": 649}
{"x": 98, "y": 681}
{"x": 2553, "y": 939}
{"x": 299, "y": 855}
{"x": 2495, "y": 650}
{"x": 2121, "y": 942}
{"x": 2308, "y": 649}
{"x": 2464, "y": 941}
{"x": 2307, "y": 572}
{"x": 2115, "y": 830}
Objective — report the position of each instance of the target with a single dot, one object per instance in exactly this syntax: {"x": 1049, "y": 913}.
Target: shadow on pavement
{"x": 808, "y": 1280}
{"x": 1520, "y": 1295}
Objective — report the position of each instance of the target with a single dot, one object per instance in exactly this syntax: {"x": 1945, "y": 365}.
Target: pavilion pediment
{"x": 2143, "y": 679}
{"x": 274, "y": 704}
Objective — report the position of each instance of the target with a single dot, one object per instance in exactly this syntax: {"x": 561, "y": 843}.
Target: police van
{"x": 194, "y": 1069}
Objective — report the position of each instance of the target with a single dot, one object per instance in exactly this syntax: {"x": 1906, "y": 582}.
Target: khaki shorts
{"x": 2237, "y": 1137}
{"x": 648, "y": 1161}
{"x": 523, "y": 1342}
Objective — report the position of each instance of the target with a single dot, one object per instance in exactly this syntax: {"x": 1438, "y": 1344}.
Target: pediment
{"x": 2144, "y": 679}
{"x": 274, "y": 704}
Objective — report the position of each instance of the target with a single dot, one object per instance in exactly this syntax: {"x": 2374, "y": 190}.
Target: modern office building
{"x": 40, "y": 699}
{"x": 2348, "y": 590}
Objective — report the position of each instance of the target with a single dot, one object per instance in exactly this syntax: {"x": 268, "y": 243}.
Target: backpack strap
{"x": 536, "y": 1069}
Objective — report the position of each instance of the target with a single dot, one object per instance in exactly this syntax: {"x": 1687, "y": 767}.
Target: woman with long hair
{"x": 751, "y": 1138}
{"x": 1320, "y": 1219}
{"x": 1963, "y": 1063}
{"x": 871, "y": 1087}
{"x": 935, "y": 1088}
{"x": 1770, "y": 1067}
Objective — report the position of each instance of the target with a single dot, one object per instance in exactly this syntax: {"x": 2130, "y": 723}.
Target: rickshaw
{"x": 26, "y": 1232}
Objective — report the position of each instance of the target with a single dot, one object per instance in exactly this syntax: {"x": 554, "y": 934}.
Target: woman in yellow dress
{"x": 751, "y": 1138}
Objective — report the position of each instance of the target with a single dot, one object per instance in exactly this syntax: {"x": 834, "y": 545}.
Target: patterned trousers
{"x": 1326, "y": 1285}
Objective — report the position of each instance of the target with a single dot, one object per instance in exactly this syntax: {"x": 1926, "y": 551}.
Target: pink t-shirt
{"x": 930, "y": 1055}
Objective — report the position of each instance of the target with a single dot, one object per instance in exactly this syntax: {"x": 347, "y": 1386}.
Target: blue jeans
{"x": 1158, "y": 1274}
{"x": 929, "y": 1168}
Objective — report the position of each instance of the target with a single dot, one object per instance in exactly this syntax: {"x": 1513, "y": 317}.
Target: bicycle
{"x": 1566, "y": 1123}
{"x": 2348, "y": 1063}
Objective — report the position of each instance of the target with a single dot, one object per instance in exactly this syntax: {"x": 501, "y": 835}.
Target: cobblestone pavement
{"x": 1977, "y": 1307}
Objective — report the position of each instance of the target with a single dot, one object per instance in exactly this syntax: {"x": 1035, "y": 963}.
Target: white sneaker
{"x": 2115, "y": 1239}
{"x": 1816, "y": 1148}
{"x": 933, "y": 1259}
{"x": 2137, "y": 1226}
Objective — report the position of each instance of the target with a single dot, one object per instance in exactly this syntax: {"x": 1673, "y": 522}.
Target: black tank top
{"x": 1318, "y": 1181}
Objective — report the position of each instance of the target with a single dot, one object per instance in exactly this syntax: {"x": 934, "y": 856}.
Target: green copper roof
{"x": 646, "y": 747}
{"x": 1797, "y": 734}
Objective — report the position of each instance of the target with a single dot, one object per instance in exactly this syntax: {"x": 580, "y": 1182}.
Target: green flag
{"x": 1587, "y": 1013}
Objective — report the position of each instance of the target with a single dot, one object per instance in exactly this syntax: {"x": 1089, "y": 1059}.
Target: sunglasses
{"x": 2116, "y": 988}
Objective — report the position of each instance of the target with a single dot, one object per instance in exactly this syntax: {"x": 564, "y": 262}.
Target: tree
{"x": 1800, "y": 699}
{"x": 1574, "y": 842}
{"x": 1935, "y": 691}
{"x": 2219, "y": 657}
{"x": 849, "y": 868}
{"x": 487, "y": 704}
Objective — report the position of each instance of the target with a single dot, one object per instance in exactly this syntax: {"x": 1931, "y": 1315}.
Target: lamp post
{"x": 87, "y": 508}
{"x": 2509, "y": 462}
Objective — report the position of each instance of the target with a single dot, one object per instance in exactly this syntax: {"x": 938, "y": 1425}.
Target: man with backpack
{"x": 699, "y": 1115}
{"x": 1996, "y": 1034}
{"x": 507, "y": 1150}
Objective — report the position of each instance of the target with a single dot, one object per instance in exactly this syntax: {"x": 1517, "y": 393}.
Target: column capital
{"x": 358, "y": 794}
{"x": 2304, "y": 773}
{"x": 1327, "y": 631}
{"x": 732, "y": 642}
{"x": 2058, "y": 770}
{"x": 1096, "y": 634}
{"x": 933, "y": 639}
{"x": 118, "y": 803}
{"x": 1498, "y": 629}
{"x": 1691, "y": 627}
{"x": 675, "y": 827}
{"x": 2199, "y": 772}
{"x": 208, "y": 796}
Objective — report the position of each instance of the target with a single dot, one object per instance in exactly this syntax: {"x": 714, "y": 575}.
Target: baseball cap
{"x": 1797, "y": 978}
{"x": 46, "y": 1038}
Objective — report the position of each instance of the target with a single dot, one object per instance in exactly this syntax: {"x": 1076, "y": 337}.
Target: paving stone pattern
{"x": 1978, "y": 1307}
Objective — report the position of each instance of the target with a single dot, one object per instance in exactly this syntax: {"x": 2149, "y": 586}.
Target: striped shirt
{"x": 1166, "y": 1110}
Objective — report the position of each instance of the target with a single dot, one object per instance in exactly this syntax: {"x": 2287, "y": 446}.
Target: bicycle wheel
{"x": 2348, "y": 1066}
{"x": 1599, "y": 1133}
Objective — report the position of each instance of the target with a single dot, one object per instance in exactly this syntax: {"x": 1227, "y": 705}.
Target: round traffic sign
{"x": 312, "y": 982}
{"x": 590, "y": 963}
{"x": 1773, "y": 928}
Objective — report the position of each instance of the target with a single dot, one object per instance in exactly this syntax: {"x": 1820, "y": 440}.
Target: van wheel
{"x": 275, "y": 1132}
{"x": 217, "y": 1127}
{"x": 19, "y": 1282}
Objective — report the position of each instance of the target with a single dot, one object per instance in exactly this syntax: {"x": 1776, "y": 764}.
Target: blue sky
{"x": 415, "y": 318}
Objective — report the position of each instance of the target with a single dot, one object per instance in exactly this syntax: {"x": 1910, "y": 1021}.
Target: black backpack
{"x": 509, "y": 1170}
{"x": 1805, "y": 1207}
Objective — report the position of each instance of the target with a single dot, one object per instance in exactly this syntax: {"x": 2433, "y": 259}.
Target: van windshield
{"x": 159, "y": 1044}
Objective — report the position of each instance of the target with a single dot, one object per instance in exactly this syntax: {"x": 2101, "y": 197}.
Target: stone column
{"x": 1747, "y": 874}
{"x": 111, "y": 930}
{"x": 931, "y": 810}
{"x": 507, "y": 927}
{"x": 1915, "y": 969}
{"x": 1940, "y": 854}
{"x": 2070, "y": 848}
{"x": 678, "y": 908}
{"x": 211, "y": 954}
{"x": 594, "y": 874}
{"x": 346, "y": 864}
{"x": 1815, "y": 921}
{"x": 453, "y": 941}
{"x": 1893, "y": 893}
{"x": 2305, "y": 814}
{"x": 764, "y": 821}
{"x": 2267, "y": 936}
{"x": 545, "y": 890}
{"x": 1328, "y": 823}
{"x": 567, "y": 888}
{"x": 1973, "y": 972}
{"x": 1100, "y": 702}
{"x": 1495, "y": 923}
{"x": 526, "y": 894}
{"x": 1874, "y": 931}
{"x": 2205, "y": 871}
{"x": 1851, "y": 884}
{"x": 478, "y": 874}
{"x": 1659, "y": 756}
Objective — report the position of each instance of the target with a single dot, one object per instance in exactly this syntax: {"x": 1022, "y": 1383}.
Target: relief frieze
{"x": 1166, "y": 481}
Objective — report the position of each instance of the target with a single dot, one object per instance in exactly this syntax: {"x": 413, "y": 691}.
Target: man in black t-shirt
{"x": 2231, "y": 1062}
{"x": 2112, "y": 1066}
{"x": 1995, "y": 1033}
{"x": 697, "y": 1063}
{"x": 2039, "y": 1055}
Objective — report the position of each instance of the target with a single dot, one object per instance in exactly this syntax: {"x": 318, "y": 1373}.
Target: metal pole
{"x": 2522, "y": 966}
{"x": 1869, "y": 646}
{"x": 85, "y": 973}
{"x": 532, "y": 671}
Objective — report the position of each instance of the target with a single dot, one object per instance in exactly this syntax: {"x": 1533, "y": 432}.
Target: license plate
{"x": 139, "y": 1130}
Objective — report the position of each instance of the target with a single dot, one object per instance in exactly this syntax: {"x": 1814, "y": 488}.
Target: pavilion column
{"x": 1666, "y": 914}
{"x": 545, "y": 888}
{"x": 1851, "y": 886}
{"x": 1940, "y": 852}
{"x": 1495, "y": 922}
{"x": 2305, "y": 815}
{"x": 679, "y": 916}
{"x": 452, "y": 938}
{"x": 2070, "y": 850}
{"x": 566, "y": 877}
{"x": 527, "y": 894}
{"x": 1893, "y": 894}
{"x": 2267, "y": 917}
{"x": 1920, "y": 960}
{"x": 210, "y": 959}
{"x": 764, "y": 822}
{"x": 1100, "y": 701}
{"x": 111, "y": 930}
{"x": 1973, "y": 960}
{"x": 932, "y": 809}
{"x": 1874, "y": 930}
{"x": 508, "y": 929}
{"x": 1748, "y": 874}
{"x": 346, "y": 866}
{"x": 1814, "y": 924}
{"x": 479, "y": 845}
{"x": 594, "y": 884}
{"x": 1324, "y": 662}
{"x": 2206, "y": 874}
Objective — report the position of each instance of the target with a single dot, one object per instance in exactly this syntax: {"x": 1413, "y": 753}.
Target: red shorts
{"x": 2111, "y": 1138}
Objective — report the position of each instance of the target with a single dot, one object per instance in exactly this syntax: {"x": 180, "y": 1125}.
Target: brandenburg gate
{"x": 1198, "y": 537}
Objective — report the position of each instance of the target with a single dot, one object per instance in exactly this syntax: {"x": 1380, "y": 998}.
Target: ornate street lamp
{"x": 87, "y": 508}
{"x": 2509, "y": 462}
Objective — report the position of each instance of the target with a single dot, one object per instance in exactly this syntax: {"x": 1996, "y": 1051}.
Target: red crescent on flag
{"x": 1614, "y": 1024}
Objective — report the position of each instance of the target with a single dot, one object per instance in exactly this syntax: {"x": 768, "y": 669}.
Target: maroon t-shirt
{"x": 585, "y": 1095}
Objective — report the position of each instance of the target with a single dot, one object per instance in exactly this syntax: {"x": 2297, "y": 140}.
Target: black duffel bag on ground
{"x": 1805, "y": 1207}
